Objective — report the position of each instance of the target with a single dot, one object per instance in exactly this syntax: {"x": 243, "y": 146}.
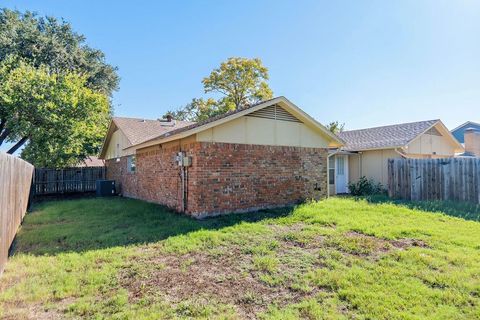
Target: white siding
{"x": 371, "y": 164}
{"x": 430, "y": 145}
{"x": 117, "y": 143}
{"x": 253, "y": 130}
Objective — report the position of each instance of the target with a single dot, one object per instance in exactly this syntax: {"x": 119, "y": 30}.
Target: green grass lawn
{"x": 339, "y": 258}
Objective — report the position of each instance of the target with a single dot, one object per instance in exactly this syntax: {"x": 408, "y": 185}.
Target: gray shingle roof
{"x": 140, "y": 130}
{"x": 392, "y": 136}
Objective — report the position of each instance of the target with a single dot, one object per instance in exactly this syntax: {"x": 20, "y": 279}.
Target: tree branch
{"x": 4, "y": 135}
{"x": 3, "y": 122}
{"x": 17, "y": 145}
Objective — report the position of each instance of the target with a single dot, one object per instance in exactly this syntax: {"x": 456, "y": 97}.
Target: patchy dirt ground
{"x": 231, "y": 274}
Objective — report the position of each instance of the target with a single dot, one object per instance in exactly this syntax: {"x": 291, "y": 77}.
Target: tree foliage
{"x": 336, "y": 127}
{"x": 199, "y": 110}
{"x": 62, "y": 118}
{"x": 47, "y": 41}
{"x": 54, "y": 90}
{"x": 240, "y": 83}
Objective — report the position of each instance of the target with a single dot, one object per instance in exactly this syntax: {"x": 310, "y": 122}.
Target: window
{"x": 331, "y": 170}
{"x": 341, "y": 165}
{"x": 131, "y": 164}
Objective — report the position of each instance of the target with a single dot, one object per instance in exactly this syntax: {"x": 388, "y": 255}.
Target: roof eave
{"x": 106, "y": 141}
{"x": 374, "y": 149}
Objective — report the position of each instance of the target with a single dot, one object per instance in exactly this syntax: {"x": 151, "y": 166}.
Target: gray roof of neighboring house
{"x": 140, "y": 130}
{"x": 384, "y": 137}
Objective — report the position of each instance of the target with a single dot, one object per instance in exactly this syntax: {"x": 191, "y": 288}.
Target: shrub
{"x": 365, "y": 187}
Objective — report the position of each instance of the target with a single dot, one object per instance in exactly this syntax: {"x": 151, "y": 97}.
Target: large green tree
{"x": 239, "y": 82}
{"x": 63, "y": 119}
{"x": 51, "y": 83}
{"x": 242, "y": 81}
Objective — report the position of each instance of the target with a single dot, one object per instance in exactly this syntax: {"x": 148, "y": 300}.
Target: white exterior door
{"x": 341, "y": 173}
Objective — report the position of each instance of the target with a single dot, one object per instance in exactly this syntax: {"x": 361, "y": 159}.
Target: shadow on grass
{"x": 464, "y": 210}
{"x": 96, "y": 223}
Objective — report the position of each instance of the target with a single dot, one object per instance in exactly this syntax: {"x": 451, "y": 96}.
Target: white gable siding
{"x": 263, "y": 131}
{"x": 432, "y": 143}
{"x": 113, "y": 151}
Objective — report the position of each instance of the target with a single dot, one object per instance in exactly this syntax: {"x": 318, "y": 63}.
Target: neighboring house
{"x": 459, "y": 132}
{"x": 366, "y": 151}
{"x": 469, "y": 135}
{"x": 267, "y": 155}
{"x": 91, "y": 161}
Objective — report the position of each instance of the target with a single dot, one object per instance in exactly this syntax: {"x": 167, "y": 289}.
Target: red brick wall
{"x": 240, "y": 177}
{"x": 226, "y": 177}
{"x": 157, "y": 177}
{"x": 126, "y": 182}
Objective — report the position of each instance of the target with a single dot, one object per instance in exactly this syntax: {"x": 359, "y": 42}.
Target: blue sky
{"x": 365, "y": 63}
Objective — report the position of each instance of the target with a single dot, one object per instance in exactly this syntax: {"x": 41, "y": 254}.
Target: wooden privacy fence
{"x": 68, "y": 180}
{"x": 15, "y": 182}
{"x": 456, "y": 179}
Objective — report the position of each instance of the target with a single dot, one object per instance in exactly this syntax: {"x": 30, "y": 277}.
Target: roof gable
{"x": 287, "y": 110}
{"x": 395, "y": 136}
{"x": 139, "y": 130}
{"x": 385, "y": 137}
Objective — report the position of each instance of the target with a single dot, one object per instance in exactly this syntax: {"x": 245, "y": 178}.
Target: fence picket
{"x": 68, "y": 180}
{"x": 15, "y": 183}
{"x": 454, "y": 179}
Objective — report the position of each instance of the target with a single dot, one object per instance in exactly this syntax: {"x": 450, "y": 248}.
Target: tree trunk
{"x": 17, "y": 145}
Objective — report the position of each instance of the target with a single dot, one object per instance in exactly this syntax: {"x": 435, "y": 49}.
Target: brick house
{"x": 267, "y": 155}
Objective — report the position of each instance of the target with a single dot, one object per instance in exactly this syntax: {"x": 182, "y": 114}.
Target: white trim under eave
{"x": 376, "y": 149}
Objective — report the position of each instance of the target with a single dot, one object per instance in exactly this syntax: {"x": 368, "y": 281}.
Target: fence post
{"x": 32, "y": 191}
{"x": 83, "y": 180}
